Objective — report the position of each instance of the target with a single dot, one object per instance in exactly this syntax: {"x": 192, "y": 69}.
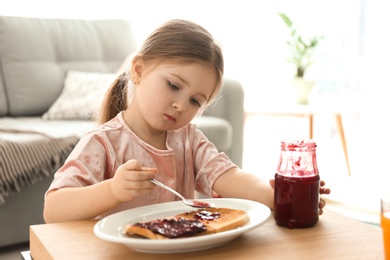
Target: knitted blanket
{"x": 26, "y": 157}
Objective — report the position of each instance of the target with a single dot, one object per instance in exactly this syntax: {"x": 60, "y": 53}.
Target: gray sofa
{"x": 35, "y": 55}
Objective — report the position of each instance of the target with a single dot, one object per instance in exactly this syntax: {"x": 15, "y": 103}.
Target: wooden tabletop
{"x": 334, "y": 237}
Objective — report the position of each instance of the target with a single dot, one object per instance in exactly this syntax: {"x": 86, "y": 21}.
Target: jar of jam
{"x": 297, "y": 185}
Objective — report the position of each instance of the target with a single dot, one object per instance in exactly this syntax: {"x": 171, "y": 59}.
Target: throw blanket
{"x": 26, "y": 157}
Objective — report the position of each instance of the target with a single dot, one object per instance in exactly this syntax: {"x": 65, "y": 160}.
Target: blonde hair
{"x": 175, "y": 40}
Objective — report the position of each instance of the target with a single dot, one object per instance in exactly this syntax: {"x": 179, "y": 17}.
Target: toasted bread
{"x": 192, "y": 223}
{"x": 228, "y": 218}
{"x": 144, "y": 232}
{"x": 164, "y": 229}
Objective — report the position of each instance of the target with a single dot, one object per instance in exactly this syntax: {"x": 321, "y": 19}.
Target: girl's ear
{"x": 136, "y": 70}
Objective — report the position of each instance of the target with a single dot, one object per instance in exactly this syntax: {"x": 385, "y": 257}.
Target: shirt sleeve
{"x": 209, "y": 164}
{"x": 89, "y": 163}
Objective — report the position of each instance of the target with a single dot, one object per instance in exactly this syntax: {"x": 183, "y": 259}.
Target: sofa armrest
{"x": 230, "y": 106}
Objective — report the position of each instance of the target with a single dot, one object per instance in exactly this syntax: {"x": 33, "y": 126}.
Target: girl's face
{"x": 168, "y": 95}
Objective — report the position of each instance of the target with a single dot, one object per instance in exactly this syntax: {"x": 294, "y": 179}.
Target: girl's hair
{"x": 175, "y": 41}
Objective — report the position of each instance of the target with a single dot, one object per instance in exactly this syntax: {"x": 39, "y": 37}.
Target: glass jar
{"x": 297, "y": 185}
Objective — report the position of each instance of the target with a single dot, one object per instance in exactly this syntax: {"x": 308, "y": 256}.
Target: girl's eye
{"x": 195, "y": 102}
{"x": 173, "y": 86}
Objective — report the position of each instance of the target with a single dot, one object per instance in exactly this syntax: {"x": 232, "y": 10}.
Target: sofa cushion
{"x": 3, "y": 101}
{"x": 35, "y": 54}
{"x": 218, "y": 130}
{"x": 81, "y": 96}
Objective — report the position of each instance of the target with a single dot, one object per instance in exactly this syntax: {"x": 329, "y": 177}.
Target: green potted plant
{"x": 301, "y": 50}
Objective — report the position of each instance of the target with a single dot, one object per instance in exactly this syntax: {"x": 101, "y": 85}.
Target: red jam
{"x": 173, "y": 228}
{"x": 296, "y": 201}
{"x": 201, "y": 204}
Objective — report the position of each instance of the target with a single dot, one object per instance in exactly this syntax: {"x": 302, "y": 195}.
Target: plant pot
{"x": 302, "y": 89}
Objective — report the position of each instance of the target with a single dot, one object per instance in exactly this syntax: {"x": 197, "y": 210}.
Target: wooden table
{"x": 334, "y": 237}
{"x": 309, "y": 111}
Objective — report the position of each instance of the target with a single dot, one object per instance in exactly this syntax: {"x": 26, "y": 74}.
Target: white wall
{"x": 252, "y": 36}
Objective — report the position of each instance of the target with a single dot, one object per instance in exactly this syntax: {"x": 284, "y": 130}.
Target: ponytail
{"x": 115, "y": 99}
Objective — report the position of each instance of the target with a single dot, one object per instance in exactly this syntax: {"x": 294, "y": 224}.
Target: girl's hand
{"x": 323, "y": 190}
{"x": 131, "y": 180}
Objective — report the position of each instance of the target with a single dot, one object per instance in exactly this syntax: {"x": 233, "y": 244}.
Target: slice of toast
{"x": 167, "y": 228}
{"x": 218, "y": 219}
{"x": 192, "y": 223}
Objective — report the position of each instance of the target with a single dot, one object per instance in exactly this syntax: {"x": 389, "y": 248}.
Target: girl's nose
{"x": 179, "y": 106}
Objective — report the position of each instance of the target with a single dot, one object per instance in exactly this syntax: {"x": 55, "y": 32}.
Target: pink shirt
{"x": 190, "y": 163}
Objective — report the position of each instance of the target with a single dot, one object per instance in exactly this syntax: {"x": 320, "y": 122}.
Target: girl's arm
{"x": 236, "y": 183}
{"x": 80, "y": 203}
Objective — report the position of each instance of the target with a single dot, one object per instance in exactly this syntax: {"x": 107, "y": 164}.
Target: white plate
{"x": 111, "y": 228}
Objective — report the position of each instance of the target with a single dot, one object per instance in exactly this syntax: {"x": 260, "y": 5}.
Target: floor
{"x": 14, "y": 252}
{"x": 356, "y": 196}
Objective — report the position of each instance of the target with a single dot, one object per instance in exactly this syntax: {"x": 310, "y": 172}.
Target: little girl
{"x": 145, "y": 132}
